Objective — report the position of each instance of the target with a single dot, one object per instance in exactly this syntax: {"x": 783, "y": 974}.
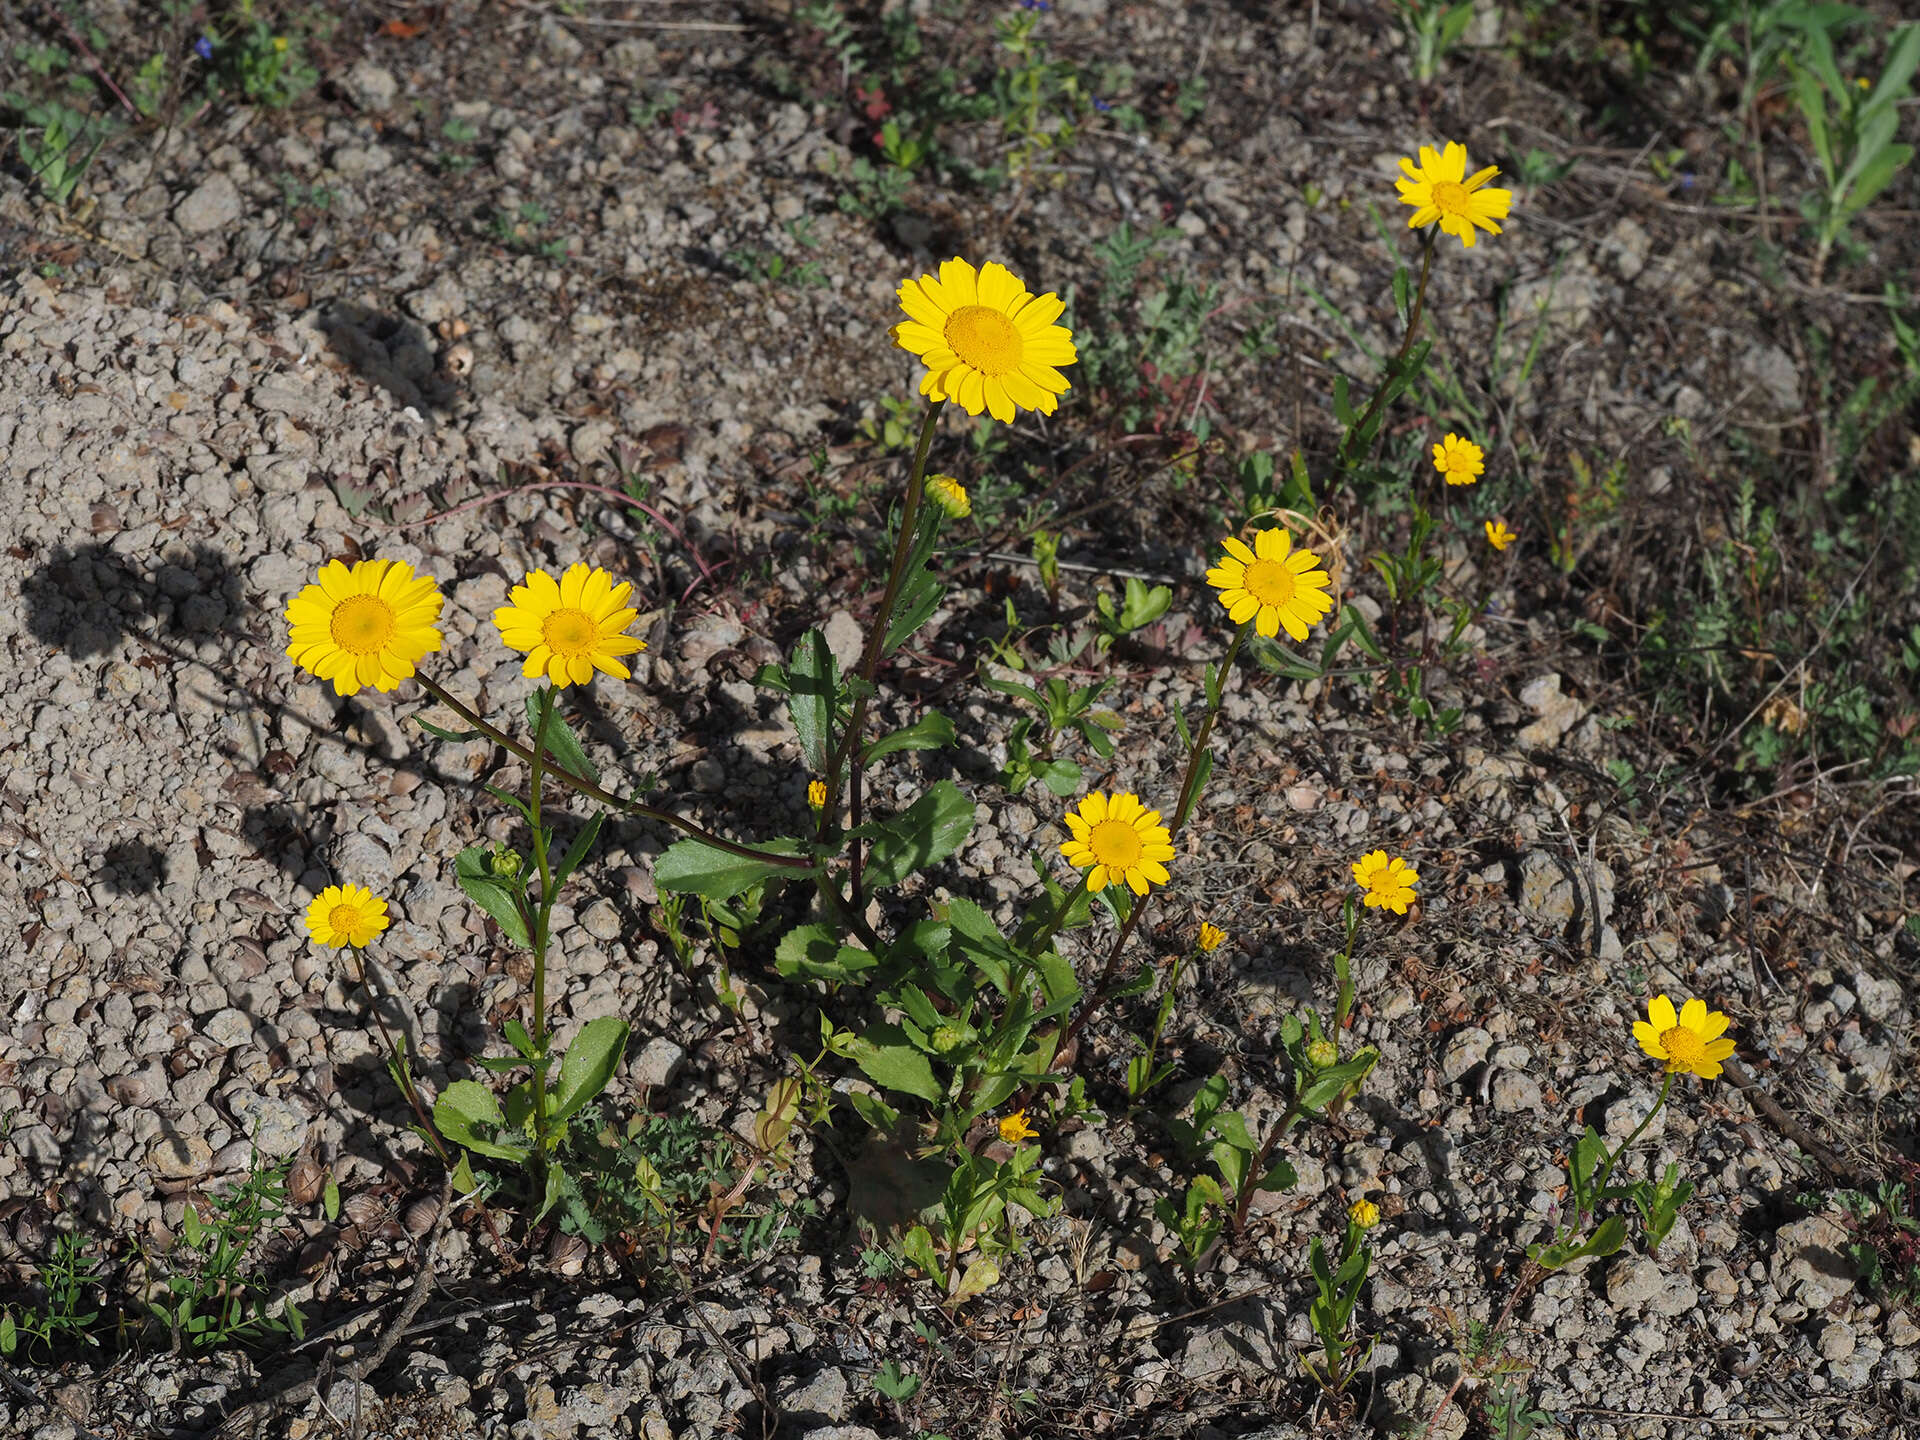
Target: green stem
{"x": 846, "y": 754}
{"x": 539, "y": 935}
{"x": 1243, "y": 1201}
{"x": 1189, "y": 788}
{"x": 1606, "y": 1168}
{"x": 605, "y": 797}
{"x": 1413, "y": 328}
{"x": 1059, "y": 917}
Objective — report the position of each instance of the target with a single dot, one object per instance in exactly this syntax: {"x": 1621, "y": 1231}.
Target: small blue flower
{"x": 1035, "y": 5}
{"x": 203, "y": 47}
{"x": 1102, "y": 105}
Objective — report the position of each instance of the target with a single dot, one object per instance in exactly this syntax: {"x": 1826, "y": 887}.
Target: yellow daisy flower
{"x": 570, "y": 627}
{"x": 1459, "y": 460}
{"x": 1498, "y": 536}
{"x": 985, "y": 340}
{"x": 1364, "y": 1213}
{"x": 1014, "y": 1128}
{"x": 346, "y": 915}
{"x": 1118, "y": 839}
{"x": 1272, "y": 584}
{"x": 1388, "y": 883}
{"x": 817, "y": 794}
{"x": 950, "y": 495}
{"x": 1438, "y": 189}
{"x": 365, "y": 625}
{"x": 1212, "y": 937}
{"x": 1693, "y": 1041}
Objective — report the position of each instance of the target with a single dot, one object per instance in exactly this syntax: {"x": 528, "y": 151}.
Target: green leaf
{"x": 576, "y": 852}
{"x": 1611, "y": 1235}
{"x": 927, "y": 831}
{"x": 1202, "y": 772}
{"x": 1062, "y": 777}
{"x": 916, "y": 1246}
{"x": 812, "y": 952}
{"x": 1342, "y": 406}
{"x": 923, "y": 594}
{"x": 465, "y": 1106}
{"x": 812, "y": 694}
{"x": 474, "y": 872}
{"x": 562, "y": 744}
{"x": 454, "y": 735}
{"x": 518, "y": 1037}
{"x": 463, "y": 1181}
{"x": 330, "y": 1198}
{"x": 1330, "y": 1084}
{"x": 589, "y": 1064}
{"x": 930, "y": 732}
{"x": 697, "y": 868}
{"x": 982, "y": 1274}
{"x": 891, "y": 1061}
{"x": 876, "y": 1112}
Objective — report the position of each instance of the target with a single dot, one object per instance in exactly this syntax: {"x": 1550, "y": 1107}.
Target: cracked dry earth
{"x": 184, "y": 438}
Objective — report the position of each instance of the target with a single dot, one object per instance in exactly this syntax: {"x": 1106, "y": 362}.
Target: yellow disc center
{"x": 344, "y": 919}
{"x": 1115, "y": 844}
{"x": 362, "y": 624}
{"x": 1450, "y": 198}
{"x": 1270, "y": 582}
{"x": 1684, "y": 1048}
{"x": 985, "y": 339}
{"x": 571, "y": 633}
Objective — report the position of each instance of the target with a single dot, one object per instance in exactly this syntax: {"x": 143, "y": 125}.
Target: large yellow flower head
{"x": 346, "y": 915}
{"x": 1438, "y": 189}
{"x": 986, "y": 341}
{"x": 1387, "y": 884}
{"x": 1118, "y": 840}
{"x": 570, "y": 627}
{"x": 1693, "y": 1041}
{"x": 1272, "y": 584}
{"x": 365, "y": 625}
{"x": 1461, "y": 461}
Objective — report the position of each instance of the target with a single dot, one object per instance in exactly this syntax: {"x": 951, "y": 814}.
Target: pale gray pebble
{"x": 657, "y": 1063}
{"x": 214, "y": 204}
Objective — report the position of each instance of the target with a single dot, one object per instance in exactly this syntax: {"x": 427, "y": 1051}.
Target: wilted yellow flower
{"x": 986, "y": 341}
{"x": 1364, "y": 1213}
{"x": 1271, "y": 584}
{"x": 280, "y": 44}
{"x": 1014, "y": 1128}
{"x": 1388, "y": 883}
{"x": 817, "y": 794}
{"x": 1498, "y": 536}
{"x": 570, "y": 627}
{"x": 1693, "y": 1041}
{"x": 1212, "y": 937}
{"x": 368, "y": 625}
{"x": 1121, "y": 840}
{"x": 1438, "y": 189}
{"x": 950, "y": 495}
{"x": 346, "y": 915}
{"x": 1459, "y": 460}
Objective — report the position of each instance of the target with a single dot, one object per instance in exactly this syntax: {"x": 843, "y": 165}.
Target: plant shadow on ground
{"x": 391, "y": 353}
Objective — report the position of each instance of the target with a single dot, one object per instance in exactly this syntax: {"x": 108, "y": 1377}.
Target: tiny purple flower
{"x": 1035, "y": 5}
{"x": 1102, "y": 105}
{"x": 203, "y": 47}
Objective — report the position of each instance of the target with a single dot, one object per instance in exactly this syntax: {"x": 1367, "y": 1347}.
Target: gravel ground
{"x": 224, "y": 387}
